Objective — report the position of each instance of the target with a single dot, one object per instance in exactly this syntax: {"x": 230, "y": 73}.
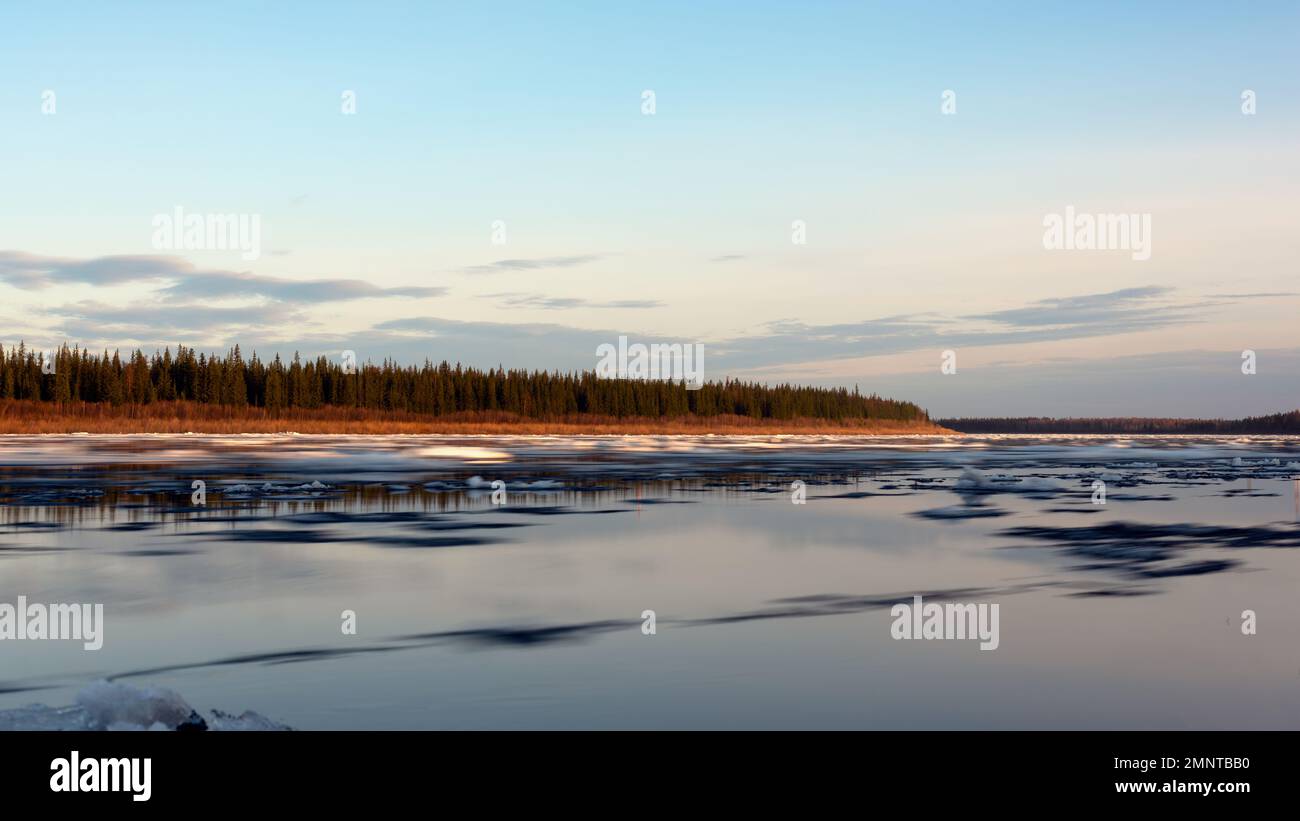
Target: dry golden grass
{"x": 189, "y": 417}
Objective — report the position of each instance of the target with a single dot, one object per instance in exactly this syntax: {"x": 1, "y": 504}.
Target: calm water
{"x": 769, "y": 614}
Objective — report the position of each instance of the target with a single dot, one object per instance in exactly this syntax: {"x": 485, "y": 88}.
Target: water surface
{"x": 769, "y": 614}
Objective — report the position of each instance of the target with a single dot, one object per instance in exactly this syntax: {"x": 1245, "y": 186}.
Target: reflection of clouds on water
{"x": 535, "y": 635}
{"x": 1154, "y": 550}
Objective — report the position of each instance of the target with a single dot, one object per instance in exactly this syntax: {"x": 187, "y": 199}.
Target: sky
{"x": 819, "y": 193}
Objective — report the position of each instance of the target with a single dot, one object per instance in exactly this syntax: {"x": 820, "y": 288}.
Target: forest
{"x": 73, "y": 375}
{"x": 1277, "y": 423}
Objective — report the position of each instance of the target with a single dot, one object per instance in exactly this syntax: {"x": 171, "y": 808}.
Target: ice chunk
{"x": 245, "y": 721}
{"x": 109, "y": 705}
{"x": 1037, "y": 484}
{"x": 972, "y": 479}
{"x": 958, "y": 512}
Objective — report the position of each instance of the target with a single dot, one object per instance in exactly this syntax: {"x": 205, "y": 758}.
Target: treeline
{"x": 1277, "y": 423}
{"x": 77, "y": 375}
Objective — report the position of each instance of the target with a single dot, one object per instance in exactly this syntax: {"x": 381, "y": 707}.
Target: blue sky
{"x": 924, "y": 230}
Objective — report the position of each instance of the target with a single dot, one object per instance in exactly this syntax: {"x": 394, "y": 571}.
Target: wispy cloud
{"x": 1265, "y": 295}
{"x": 1109, "y": 308}
{"x": 535, "y": 264}
{"x": 32, "y": 272}
{"x": 1177, "y": 383}
{"x": 95, "y": 320}
{"x": 225, "y": 285}
{"x": 1128, "y": 310}
{"x": 791, "y": 342}
{"x": 520, "y": 300}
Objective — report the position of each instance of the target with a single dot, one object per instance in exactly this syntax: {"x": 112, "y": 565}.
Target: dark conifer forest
{"x": 1277, "y": 423}
{"x": 81, "y": 376}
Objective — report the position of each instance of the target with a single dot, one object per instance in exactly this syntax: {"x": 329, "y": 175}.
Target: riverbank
{"x": 188, "y": 417}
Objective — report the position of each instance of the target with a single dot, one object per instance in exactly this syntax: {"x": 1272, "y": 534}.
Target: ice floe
{"x": 973, "y": 481}
{"x": 109, "y": 705}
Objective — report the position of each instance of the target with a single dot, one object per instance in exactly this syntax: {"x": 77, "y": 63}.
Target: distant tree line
{"x": 77, "y": 375}
{"x": 1277, "y": 423}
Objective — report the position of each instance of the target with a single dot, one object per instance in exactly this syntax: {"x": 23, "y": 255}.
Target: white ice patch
{"x": 543, "y": 484}
{"x": 972, "y": 479}
{"x": 111, "y": 705}
{"x": 268, "y": 487}
{"x": 1037, "y": 484}
{"x": 1238, "y": 462}
{"x": 108, "y": 705}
